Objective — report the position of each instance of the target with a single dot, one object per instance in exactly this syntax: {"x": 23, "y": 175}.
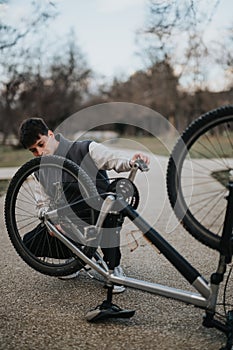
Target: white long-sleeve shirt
{"x": 108, "y": 159}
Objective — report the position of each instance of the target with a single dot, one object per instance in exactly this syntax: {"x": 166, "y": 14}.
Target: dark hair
{"x": 30, "y": 131}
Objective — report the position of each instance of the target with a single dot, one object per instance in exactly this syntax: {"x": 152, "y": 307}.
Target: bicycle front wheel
{"x": 52, "y": 182}
{"x": 198, "y": 175}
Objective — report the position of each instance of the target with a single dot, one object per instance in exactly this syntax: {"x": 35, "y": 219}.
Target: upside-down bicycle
{"x": 200, "y": 189}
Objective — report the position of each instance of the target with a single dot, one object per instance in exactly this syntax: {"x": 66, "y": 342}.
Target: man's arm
{"x": 108, "y": 159}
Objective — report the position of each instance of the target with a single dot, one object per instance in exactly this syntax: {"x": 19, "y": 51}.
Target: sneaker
{"x": 118, "y": 289}
{"x": 118, "y": 272}
{"x": 69, "y": 277}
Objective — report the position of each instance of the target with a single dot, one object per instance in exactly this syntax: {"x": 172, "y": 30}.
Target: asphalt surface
{"x": 38, "y": 312}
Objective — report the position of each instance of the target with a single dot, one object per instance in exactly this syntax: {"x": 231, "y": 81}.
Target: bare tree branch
{"x": 10, "y": 36}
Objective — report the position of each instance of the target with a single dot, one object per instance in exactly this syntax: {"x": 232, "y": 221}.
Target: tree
{"x": 156, "y": 87}
{"x": 35, "y": 81}
{"x": 175, "y": 32}
{"x": 54, "y": 91}
{"x": 40, "y": 13}
{"x": 15, "y": 57}
{"x": 223, "y": 51}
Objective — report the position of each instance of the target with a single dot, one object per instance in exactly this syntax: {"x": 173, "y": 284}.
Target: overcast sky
{"x": 105, "y": 29}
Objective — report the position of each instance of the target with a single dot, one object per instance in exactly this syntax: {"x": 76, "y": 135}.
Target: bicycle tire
{"x": 204, "y": 150}
{"x": 19, "y": 201}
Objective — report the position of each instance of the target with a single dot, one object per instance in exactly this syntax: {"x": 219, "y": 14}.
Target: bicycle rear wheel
{"x": 198, "y": 175}
{"x": 49, "y": 181}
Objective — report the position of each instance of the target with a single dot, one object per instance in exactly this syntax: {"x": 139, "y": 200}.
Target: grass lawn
{"x": 11, "y": 156}
{"x": 146, "y": 144}
{"x": 15, "y": 157}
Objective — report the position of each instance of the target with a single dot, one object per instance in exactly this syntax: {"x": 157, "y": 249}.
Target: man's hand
{"x": 141, "y": 156}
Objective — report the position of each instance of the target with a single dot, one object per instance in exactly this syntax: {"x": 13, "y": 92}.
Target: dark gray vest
{"x": 78, "y": 152}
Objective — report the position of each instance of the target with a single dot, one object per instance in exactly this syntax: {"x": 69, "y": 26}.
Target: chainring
{"x": 126, "y": 189}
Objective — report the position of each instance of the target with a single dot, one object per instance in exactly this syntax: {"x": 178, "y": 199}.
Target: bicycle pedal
{"x": 141, "y": 165}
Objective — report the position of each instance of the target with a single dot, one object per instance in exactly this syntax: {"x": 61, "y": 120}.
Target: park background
{"x": 73, "y": 58}
{"x": 59, "y": 57}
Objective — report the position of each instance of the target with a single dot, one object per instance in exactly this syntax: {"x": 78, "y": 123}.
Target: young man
{"x": 94, "y": 158}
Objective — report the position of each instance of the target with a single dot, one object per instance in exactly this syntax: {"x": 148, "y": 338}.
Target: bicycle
{"x": 206, "y": 144}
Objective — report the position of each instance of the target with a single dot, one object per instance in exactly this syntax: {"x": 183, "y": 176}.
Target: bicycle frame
{"x": 207, "y": 291}
{"x": 201, "y": 300}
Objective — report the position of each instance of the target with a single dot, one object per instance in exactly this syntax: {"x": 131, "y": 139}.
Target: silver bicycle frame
{"x": 207, "y": 293}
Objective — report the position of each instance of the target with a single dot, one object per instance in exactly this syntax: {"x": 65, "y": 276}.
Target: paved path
{"x": 38, "y": 312}
{"x": 7, "y": 173}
